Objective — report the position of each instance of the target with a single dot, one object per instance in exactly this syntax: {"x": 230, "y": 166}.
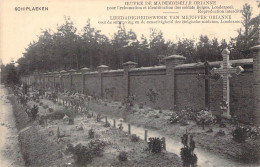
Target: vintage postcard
{"x": 130, "y": 83}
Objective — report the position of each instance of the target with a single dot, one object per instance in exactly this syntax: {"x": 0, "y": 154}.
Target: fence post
{"x": 114, "y": 123}
{"x": 145, "y": 135}
{"x": 106, "y": 119}
{"x": 164, "y": 143}
{"x": 129, "y": 129}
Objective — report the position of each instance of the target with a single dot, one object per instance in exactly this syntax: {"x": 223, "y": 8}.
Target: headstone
{"x": 225, "y": 71}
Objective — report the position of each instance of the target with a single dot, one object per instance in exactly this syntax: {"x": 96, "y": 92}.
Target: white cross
{"x": 225, "y": 72}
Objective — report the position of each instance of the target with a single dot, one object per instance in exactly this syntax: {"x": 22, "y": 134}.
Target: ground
{"x": 40, "y": 145}
{"x": 10, "y": 154}
{"x": 224, "y": 146}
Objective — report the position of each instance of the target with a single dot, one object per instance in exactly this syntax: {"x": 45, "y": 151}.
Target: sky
{"x": 19, "y": 28}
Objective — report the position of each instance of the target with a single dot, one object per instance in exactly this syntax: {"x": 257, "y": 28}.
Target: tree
{"x": 9, "y": 74}
{"x": 186, "y": 48}
{"x": 246, "y": 39}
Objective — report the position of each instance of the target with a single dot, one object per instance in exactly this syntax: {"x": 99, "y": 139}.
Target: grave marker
{"x": 225, "y": 71}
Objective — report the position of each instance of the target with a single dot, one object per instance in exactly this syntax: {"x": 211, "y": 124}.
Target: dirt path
{"x": 42, "y": 148}
{"x": 9, "y": 149}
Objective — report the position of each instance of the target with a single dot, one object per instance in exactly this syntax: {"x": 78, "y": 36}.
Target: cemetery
{"x": 145, "y": 116}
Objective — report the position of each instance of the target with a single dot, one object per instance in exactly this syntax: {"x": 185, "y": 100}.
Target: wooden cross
{"x": 207, "y": 76}
{"x": 225, "y": 71}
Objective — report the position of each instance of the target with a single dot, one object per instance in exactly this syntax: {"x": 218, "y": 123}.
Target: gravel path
{"x": 9, "y": 149}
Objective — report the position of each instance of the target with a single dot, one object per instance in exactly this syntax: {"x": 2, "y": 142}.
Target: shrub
{"x": 97, "y": 147}
{"x": 182, "y": 116}
{"x": 98, "y": 117}
{"x": 134, "y": 138}
{"x": 141, "y": 106}
{"x": 187, "y": 152}
{"x": 34, "y": 112}
{"x": 41, "y": 103}
{"x": 89, "y": 116}
{"x": 91, "y": 133}
{"x": 239, "y": 134}
{"x": 155, "y": 145}
{"x": 205, "y": 118}
{"x": 56, "y": 115}
{"x": 82, "y": 154}
{"x": 69, "y": 149}
{"x": 107, "y": 124}
{"x": 122, "y": 156}
{"x": 71, "y": 121}
{"x": 45, "y": 106}
{"x": 187, "y": 157}
{"x": 50, "y": 110}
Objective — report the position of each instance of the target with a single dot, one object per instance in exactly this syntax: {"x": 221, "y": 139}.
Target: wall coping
{"x": 175, "y": 57}
{"x": 113, "y": 71}
{"x": 92, "y": 72}
{"x": 163, "y": 67}
{"x": 215, "y": 63}
{"x": 129, "y": 63}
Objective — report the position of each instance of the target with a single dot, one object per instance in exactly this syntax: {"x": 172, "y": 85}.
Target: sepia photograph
{"x": 129, "y": 83}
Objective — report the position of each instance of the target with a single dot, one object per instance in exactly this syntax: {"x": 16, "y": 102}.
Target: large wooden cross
{"x": 225, "y": 71}
{"x": 207, "y": 76}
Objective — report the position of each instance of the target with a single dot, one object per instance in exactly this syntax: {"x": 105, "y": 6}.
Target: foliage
{"x": 50, "y": 110}
{"x": 9, "y": 74}
{"x": 180, "y": 116}
{"x": 97, "y": 147}
{"x": 66, "y": 48}
{"x": 122, "y": 156}
{"x": 247, "y": 37}
{"x": 91, "y": 133}
{"x": 155, "y": 144}
{"x": 56, "y": 115}
{"x": 134, "y": 138}
{"x": 239, "y": 134}
{"x": 34, "y": 112}
{"x": 84, "y": 154}
{"x": 107, "y": 124}
{"x": 187, "y": 152}
{"x": 202, "y": 117}
{"x": 128, "y": 102}
{"x": 152, "y": 96}
{"x": 45, "y": 106}
{"x": 205, "y": 117}
{"x": 242, "y": 132}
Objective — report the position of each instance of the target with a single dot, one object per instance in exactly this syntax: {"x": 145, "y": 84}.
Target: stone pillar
{"x": 101, "y": 69}
{"x": 171, "y": 62}
{"x": 256, "y": 86}
{"x": 126, "y": 79}
{"x": 83, "y": 71}
{"x": 61, "y": 79}
{"x": 71, "y": 73}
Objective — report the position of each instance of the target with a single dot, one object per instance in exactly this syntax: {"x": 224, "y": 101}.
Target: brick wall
{"x": 91, "y": 84}
{"x": 148, "y": 85}
{"x": 163, "y": 86}
{"x": 189, "y": 88}
{"x": 112, "y": 85}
